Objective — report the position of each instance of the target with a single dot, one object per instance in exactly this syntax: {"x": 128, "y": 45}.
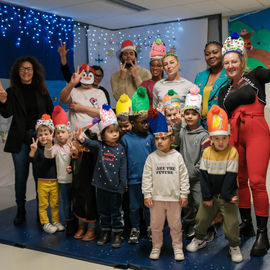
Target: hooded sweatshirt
{"x": 190, "y": 147}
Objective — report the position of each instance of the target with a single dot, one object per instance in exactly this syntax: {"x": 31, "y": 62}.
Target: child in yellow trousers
{"x": 46, "y": 174}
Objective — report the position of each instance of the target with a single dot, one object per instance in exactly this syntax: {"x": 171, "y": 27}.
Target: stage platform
{"x": 214, "y": 256}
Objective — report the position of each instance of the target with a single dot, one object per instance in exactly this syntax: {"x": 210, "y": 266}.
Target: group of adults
{"x": 225, "y": 82}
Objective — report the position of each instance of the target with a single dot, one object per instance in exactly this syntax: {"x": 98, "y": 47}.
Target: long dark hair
{"x": 38, "y": 80}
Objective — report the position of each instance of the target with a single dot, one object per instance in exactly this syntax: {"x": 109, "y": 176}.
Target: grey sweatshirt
{"x": 190, "y": 148}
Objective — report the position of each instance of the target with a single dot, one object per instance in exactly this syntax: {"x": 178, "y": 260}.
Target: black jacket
{"x": 15, "y": 107}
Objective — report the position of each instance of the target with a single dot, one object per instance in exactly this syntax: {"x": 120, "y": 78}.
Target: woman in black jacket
{"x": 26, "y": 100}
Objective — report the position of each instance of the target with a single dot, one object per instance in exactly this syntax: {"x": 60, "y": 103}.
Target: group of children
{"x": 153, "y": 155}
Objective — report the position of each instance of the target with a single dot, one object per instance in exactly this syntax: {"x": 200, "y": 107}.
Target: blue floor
{"x": 214, "y": 256}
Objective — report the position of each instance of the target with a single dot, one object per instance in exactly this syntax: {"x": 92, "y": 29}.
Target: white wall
{"x": 187, "y": 38}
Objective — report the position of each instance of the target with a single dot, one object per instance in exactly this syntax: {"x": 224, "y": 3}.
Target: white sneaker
{"x": 178, "y": 254}
{"x": 49, "y": 228}
{"x": 59, "y": 226}
{"x": 154, "y": 255}
{"x": 236, "y": 254}
{"x": 195, "y": 245}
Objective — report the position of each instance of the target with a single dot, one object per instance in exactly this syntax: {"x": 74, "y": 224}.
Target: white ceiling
{"x": 113, "y": 16}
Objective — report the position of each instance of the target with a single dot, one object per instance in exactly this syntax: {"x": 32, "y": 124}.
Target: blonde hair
{"x": 170, "y": 53}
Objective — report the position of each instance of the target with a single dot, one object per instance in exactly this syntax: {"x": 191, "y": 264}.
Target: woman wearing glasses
{"x": 26, "y": 100}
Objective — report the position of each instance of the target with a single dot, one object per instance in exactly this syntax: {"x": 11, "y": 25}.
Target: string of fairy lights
{"x": 25, "y": 23}
{"x": 33, "y": 24}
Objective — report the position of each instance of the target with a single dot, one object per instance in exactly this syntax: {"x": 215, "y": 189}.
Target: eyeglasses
{"x": 26, "y": 69}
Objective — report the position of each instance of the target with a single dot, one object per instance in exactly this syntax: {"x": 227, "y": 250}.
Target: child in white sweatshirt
{"x": 62, "y": 154}
{"x": 165, "y": 185}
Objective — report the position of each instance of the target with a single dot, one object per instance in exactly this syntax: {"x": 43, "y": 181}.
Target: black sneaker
{"x": 117, "y": 240}
{"x": 20, "y": 216}
{"x": 149, "y": 234}
{"x": 211, "y": 234}
{"x": 134, "y": 236}
{"x": 104, "y": 238}
{"x": 189, "y": 231}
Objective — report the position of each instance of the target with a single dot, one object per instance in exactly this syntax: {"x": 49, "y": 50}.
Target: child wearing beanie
{"x": 189, "y": 139}
{"x": 138, "y": 143}
{"x": 62, "y": 154}
{"x": 165, "y": 186}
{"x": 123, "y": 110}
{"x": 219, "y": 167}
{"x": 109, "y": 177}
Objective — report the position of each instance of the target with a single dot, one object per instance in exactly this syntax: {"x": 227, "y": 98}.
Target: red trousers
{"x": 251, "y": 136}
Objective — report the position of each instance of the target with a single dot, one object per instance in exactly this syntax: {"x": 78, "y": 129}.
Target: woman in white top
{"x": 180, "y": 85}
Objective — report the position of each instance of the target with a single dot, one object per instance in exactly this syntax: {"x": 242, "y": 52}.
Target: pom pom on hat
{"x": 140, "y": 101}
{"x": 45, "y": 121}
{"x": 217, "y": 121}
{"x": 152, "y": 113}
{"x": 234, "y": 35}
{"x": 59, "y": 118}
{"x": 234, "y": 43}
{"x": 193, "y": 99}
{"x": 123, "y": 105}
{"x": 158, "y": 123}
{"x": 127, "y": 45}
{"x": 94, "y": 121}
{"x": 158, "y": 50}
{"x": 172, "y": 99}
{"x": 107, "y": 117}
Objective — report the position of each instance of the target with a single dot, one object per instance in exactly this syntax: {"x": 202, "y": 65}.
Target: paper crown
{"x": 45, "y": 121}
{"x": 172, "y": 99}
{"x": 127, "y": 45}
{"x": 107, "y": 117}
{"x": 59, "y": 118}
{"x": 217, "y": 121}
{"x": 234, "y": 43}
{"x": 193, "y": 99}
{"x": 123, "y": 105}
{"x": 88, "y": 74}
{"x": 158, "y": 123}
{"x": 158, "y": 50}
{"x": 140, "y": 101}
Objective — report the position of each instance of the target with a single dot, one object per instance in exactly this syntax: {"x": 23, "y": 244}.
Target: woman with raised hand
{"x": 27, "y": 99}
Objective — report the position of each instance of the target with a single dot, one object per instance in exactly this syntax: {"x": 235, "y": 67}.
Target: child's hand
{"x": 69, "y": 169}
{"x": 234, "y": 199}
{"x": 78, "y": 135}
{"x": 49, "y": 139}
{"x": 34, "y": 145}
{"x": 206, "y": 143}
{"x": 160, "y": 107}
{"x": 183, "y": 202}
{"x": 148, "y": 202}
{"x": 208, "y": 203}
{"x": 178, "y": 118}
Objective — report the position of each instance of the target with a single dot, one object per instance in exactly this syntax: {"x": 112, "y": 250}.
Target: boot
{"x": 20, "y": 216}
{"x": 71, "y": 226}
{"x": 117, "y": 239}
{"x": 104, "y": 238}
{"x": 90, "y": 234}
{"x": 261, "y": 245}
{"x": 81, "y": 231}
{"x": 246, "y": 227}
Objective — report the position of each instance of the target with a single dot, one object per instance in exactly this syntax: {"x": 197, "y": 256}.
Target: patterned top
{"x": 110, "y": 172}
